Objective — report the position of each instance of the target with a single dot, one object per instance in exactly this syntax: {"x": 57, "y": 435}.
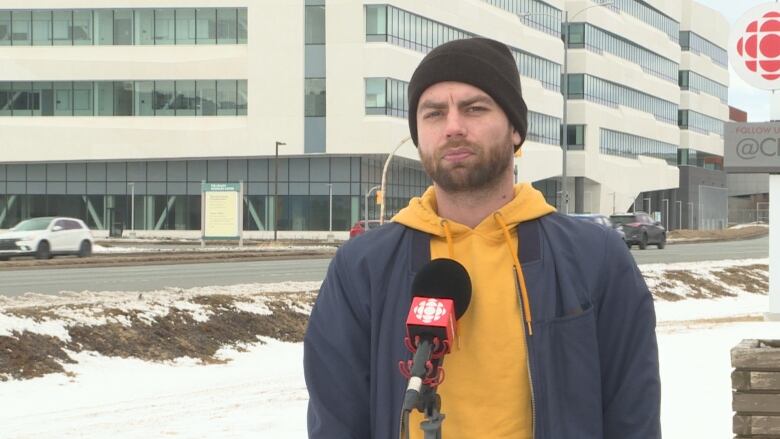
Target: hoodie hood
{"x": 421, "y": 213}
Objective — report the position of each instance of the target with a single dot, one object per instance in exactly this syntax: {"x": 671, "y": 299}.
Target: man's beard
{"x": 478, "y": 175}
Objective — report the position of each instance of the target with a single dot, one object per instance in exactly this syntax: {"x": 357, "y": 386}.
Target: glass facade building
{"x": 540, "y": 15}
{"x": 648, "y": 14}
{"x": 691, "y": 41}
{"x": 631, "y": 146}
{"x": 697, "y": 83}
{"x": 699, "y": 159}
{"x": 594, "y": 39}
{"x": 78, "y": 27}
{"x": 611, "y": 94}
{"x": 124, "y": 98}
{"x": 388, "y": 96}
{"x": 700, "y": 123}
{"x": 395, "y": 26}
{"x": 167, "y": 193}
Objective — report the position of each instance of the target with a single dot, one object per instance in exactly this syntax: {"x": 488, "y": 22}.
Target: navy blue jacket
{"x": 593, "y": 353}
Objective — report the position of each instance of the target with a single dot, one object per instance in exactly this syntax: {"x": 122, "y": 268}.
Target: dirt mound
{"x": 197, "y": 328}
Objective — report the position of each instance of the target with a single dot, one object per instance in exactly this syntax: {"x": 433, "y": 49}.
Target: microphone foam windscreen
{"x": 445, "y": 279}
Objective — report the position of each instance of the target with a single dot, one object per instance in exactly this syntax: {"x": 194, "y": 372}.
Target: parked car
{"x": 359, "y": 227}
{"x": 640, "y": 229}
{"x": 46, "y": 237}
{"x": 602, "y": 220}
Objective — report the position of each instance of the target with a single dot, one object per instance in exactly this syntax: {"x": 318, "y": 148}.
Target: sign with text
{"x": 221, "y": 210}
{"x": 752, "y": 147}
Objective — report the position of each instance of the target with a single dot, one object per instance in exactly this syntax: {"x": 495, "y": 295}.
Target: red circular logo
{"x": 759, "y": 46}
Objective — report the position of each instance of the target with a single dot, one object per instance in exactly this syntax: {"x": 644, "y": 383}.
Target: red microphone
{"x": 441, "y": 293}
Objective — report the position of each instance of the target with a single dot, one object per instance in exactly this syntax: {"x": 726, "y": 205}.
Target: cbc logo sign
{"x": 754, "y": 46}
{"x": 430, "y": 310}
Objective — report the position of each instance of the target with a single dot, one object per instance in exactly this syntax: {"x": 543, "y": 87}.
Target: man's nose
{"x": 455, "y": 126}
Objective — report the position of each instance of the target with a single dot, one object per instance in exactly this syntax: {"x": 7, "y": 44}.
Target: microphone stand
{"x": 430, "y": 404}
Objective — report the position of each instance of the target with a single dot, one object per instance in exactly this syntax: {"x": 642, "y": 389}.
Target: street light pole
{"x": 276, "y": 187}
{"x": 368, "y": 194}
{"x": 330, "y": 207}
{"x": 132, "y": 209}
{"x": 565, "y": 91}
{"x": 384, "y": 179}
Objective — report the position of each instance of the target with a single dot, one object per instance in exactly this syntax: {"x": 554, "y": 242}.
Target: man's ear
{"x": 516, "y": 138}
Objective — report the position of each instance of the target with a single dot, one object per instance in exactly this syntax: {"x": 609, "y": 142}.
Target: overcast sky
{"x": 741, "y": 95}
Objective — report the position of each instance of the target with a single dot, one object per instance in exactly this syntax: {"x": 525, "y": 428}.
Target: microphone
{"x": 441, "y": 293}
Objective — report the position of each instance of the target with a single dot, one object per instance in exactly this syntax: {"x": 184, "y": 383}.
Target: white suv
{"x": 47, "y": 237}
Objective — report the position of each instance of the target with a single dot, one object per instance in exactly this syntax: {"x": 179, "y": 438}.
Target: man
{"x": 559, "y": 339}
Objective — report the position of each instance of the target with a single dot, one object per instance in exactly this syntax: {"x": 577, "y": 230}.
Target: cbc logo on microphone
{"x": 430, "y": 310}
{"x": 754, "y": 49}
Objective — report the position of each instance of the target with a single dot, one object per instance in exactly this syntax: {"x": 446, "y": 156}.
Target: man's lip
{"x": 458, "y": 153}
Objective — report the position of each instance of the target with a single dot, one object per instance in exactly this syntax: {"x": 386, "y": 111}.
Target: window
{"x": 43, "y": 99}
{"x": 41, "y": 25}
{"x": 144, "y": 98}
{"x": 144, "y": 27}
{"x": 164, "y": 100}
{"x": 164, "y": 26}
{"x": 226, "y": 98}
{"x": 22, "y": 104}
{"x": 401, "y": 28}
{"x": 21, "y": 24}
{"x": 314, "y": 90}
{"x": 376, "y": 21}
{"x": 207, "y": 98}
{"x": 242, "y": 26}
{"x": 104, "y": 98}
{"x": 6, "y": 98}
{"x": 62, "y": 34}
{"x": 542, "y": 16}
{"x": 576, "y": 87}
{"x": 315, "y": 24}
{"x": 63, "y": 98}
{"x": 375, "y": 96}
{"x": 226, "y": 26}
{"x": 630, "y": 146}
{"x": 691, "y": 41}
{"x": 577, "y": 35}
{"x": 123, "y": 26}
{"x": 123, "y": 98}
{"x": 82, "y": 99}
{"x": 186, "y": 99}
{"x": 242, "y": 97}
{"x": 185, "y": 26}
{"x": 5, "y": 28}
{"x": 82, "y": 27}
{"x": 104, "y": 27}
{"x": 575, "y": 137}
{"x": 206, "y": 26}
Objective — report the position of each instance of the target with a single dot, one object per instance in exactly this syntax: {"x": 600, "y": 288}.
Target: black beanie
{"x": 481, "y": 62}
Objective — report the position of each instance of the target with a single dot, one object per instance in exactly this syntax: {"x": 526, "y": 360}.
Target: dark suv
{"x": 640, "y": 229}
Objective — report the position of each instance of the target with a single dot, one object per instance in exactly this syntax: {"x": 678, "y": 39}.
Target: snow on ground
{"x": 120, "y": 249}
{"x": 261, "y": 393}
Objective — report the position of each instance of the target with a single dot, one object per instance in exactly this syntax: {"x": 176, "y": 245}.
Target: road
{"x": 150, "y": 277}
{"x": 705, "y": 251}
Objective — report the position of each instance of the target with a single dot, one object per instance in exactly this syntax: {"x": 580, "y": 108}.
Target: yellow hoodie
{"x": 486, "y": 391}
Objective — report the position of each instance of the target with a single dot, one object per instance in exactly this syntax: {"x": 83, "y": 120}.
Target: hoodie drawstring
{"x": 518, "y": 270}
{"x": 448, "y": 235}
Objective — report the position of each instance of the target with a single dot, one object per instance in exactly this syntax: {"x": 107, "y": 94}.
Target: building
{"x": 101, "y": 100}
{"x": 701, "y": 201}
{"x": 748, "y": 193}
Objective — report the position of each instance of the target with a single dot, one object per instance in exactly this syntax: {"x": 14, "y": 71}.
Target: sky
{"x": 742, "y": 95}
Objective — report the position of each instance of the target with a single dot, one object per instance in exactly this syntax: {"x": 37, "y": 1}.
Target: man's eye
{"x": 431, "y": 114}
{"x": 476, "y": 109}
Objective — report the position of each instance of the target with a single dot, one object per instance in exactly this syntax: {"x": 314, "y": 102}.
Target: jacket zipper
{"x": 527, "y": 354}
